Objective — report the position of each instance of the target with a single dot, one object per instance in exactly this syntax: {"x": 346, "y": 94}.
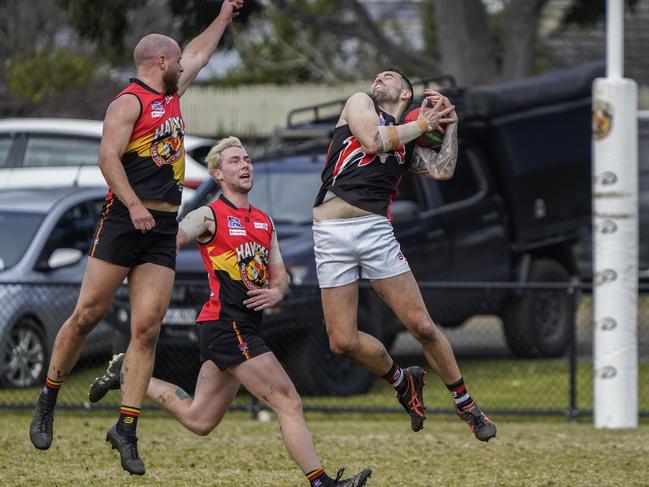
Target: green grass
{"x": 242, "y": 452}
{"x": 497, "y": 384}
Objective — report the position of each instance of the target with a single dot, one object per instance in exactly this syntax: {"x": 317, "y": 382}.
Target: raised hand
{"x": 230, "y": 10}
{"x": 437, "y": 110}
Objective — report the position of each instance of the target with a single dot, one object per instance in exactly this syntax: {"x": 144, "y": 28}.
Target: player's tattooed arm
{"x": 441, "y": 164}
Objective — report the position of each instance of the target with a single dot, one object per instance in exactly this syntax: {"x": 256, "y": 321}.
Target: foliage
{"x": 277, "y": 49}
{"x": 195, "y": 15}
{"x": 105, "y": 23}
{"x": 429, "y": 28}
{"x": 585, "y": 13}
{"x": 50, "y": 71}
{"x": 108, "y": 23}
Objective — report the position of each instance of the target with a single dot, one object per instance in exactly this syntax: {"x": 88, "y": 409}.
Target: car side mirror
{"x": 63, "y": 258}
{"x": 404, "y": 211}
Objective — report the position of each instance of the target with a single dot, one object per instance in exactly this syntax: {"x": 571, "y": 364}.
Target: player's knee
{"x": 288, "y": 402}
{"x": 84, "y": 319}
{"x": 145, "y": 333}
{"x": 344, "y": 346}
{"x": 293, "y": 401}
{"x": 202, "y": 429}
{"x": 424, "y": 330}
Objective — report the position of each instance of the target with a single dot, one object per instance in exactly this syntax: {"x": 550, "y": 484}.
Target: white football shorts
{"x": 353, "y": 248}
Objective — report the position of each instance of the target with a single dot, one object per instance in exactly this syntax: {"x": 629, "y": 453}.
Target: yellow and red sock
{"x": 127, "y": 423}
{"x": 51, "y": 391}
{"x": 316, "y": 477}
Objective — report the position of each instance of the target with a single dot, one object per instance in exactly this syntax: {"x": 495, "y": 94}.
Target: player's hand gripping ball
{"x": 429, "y": 140}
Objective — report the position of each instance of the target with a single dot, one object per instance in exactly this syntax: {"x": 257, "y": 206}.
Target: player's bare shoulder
{"x": 359, "y": 101}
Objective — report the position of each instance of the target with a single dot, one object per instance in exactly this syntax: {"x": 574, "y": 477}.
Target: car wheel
{"x": 539, "y": 323}
{"x": 317, "y": 371}
{"x": 24, "y": 355}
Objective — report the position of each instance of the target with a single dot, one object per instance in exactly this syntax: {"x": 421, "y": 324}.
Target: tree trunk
{"x": 519, "y": 37}
{"x": 464, "y": 41}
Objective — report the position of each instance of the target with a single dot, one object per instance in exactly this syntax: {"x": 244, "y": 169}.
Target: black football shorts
{"x": 117, "y": 241}
{"x": 228, "y": 343}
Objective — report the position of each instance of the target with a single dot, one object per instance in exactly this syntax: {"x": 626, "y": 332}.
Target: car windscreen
{"x": 287, "y": 196}
{"x": 18, "y": 230}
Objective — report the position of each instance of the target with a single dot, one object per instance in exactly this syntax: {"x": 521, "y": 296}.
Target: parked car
{"x": 46, "y": 233}
{"x": 50, "y": 151}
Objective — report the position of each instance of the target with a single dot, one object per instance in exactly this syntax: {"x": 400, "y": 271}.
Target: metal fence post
{"x": 572, "y": 375}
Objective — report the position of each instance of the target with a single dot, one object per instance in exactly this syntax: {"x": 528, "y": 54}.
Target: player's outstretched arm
{"x": 199, "y": 50}
{"x": 197, "y": 225}
{"x": 360, "y": 115}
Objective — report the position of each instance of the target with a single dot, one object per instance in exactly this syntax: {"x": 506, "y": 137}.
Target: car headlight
{"x": 122, "y": 315}
{"x": 297, "y": 274}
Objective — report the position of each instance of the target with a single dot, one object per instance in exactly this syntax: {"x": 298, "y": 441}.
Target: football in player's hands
{"x": 430, "y": 140}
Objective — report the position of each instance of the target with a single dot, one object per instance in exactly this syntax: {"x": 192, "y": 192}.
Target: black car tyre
{"x": 24, "y": 358}
{"x": 539, "y": 323}
{"x": 317, "y": 371}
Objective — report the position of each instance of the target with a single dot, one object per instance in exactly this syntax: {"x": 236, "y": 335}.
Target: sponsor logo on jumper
{"x": 252, "y": 259}
{"x": 167, "y": 147}
{"x": 243, "y": 347}
{"x": 238, "y": 232}
{"x": 234, "y": 222}
{"x": 381, "y": 119}
{"x": 263, "y": 226}
{"x": 157, "y": 109}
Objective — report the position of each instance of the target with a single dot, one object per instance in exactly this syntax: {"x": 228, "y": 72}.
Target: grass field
{"x": 242, "y": 452}
{"x": 497, "y": 384}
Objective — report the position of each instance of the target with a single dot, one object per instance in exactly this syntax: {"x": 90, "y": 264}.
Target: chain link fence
{"x": 523, "y": 349}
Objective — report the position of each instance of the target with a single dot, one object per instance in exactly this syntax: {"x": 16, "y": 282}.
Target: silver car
{"x": 45, "y": 234}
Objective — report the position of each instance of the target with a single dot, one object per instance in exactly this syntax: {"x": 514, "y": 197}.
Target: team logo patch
{"x": 602, "y": 119}
{"x": 167, "y": 146}
{"x": 263, "y": 226}
{"x": 238, "y": 232}
{"x": 157, "y": 109}
{"x": 252, "y": 259}
{"x": 234, "y": 222}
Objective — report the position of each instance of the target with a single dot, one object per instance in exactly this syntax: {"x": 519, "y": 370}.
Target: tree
{"x": 276, "y": 49}
{"x": 49, "y": 72}
{"x": 477, "y": 41}
{"x": 26, "y": 26}
{"x": 115, "y": 26}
